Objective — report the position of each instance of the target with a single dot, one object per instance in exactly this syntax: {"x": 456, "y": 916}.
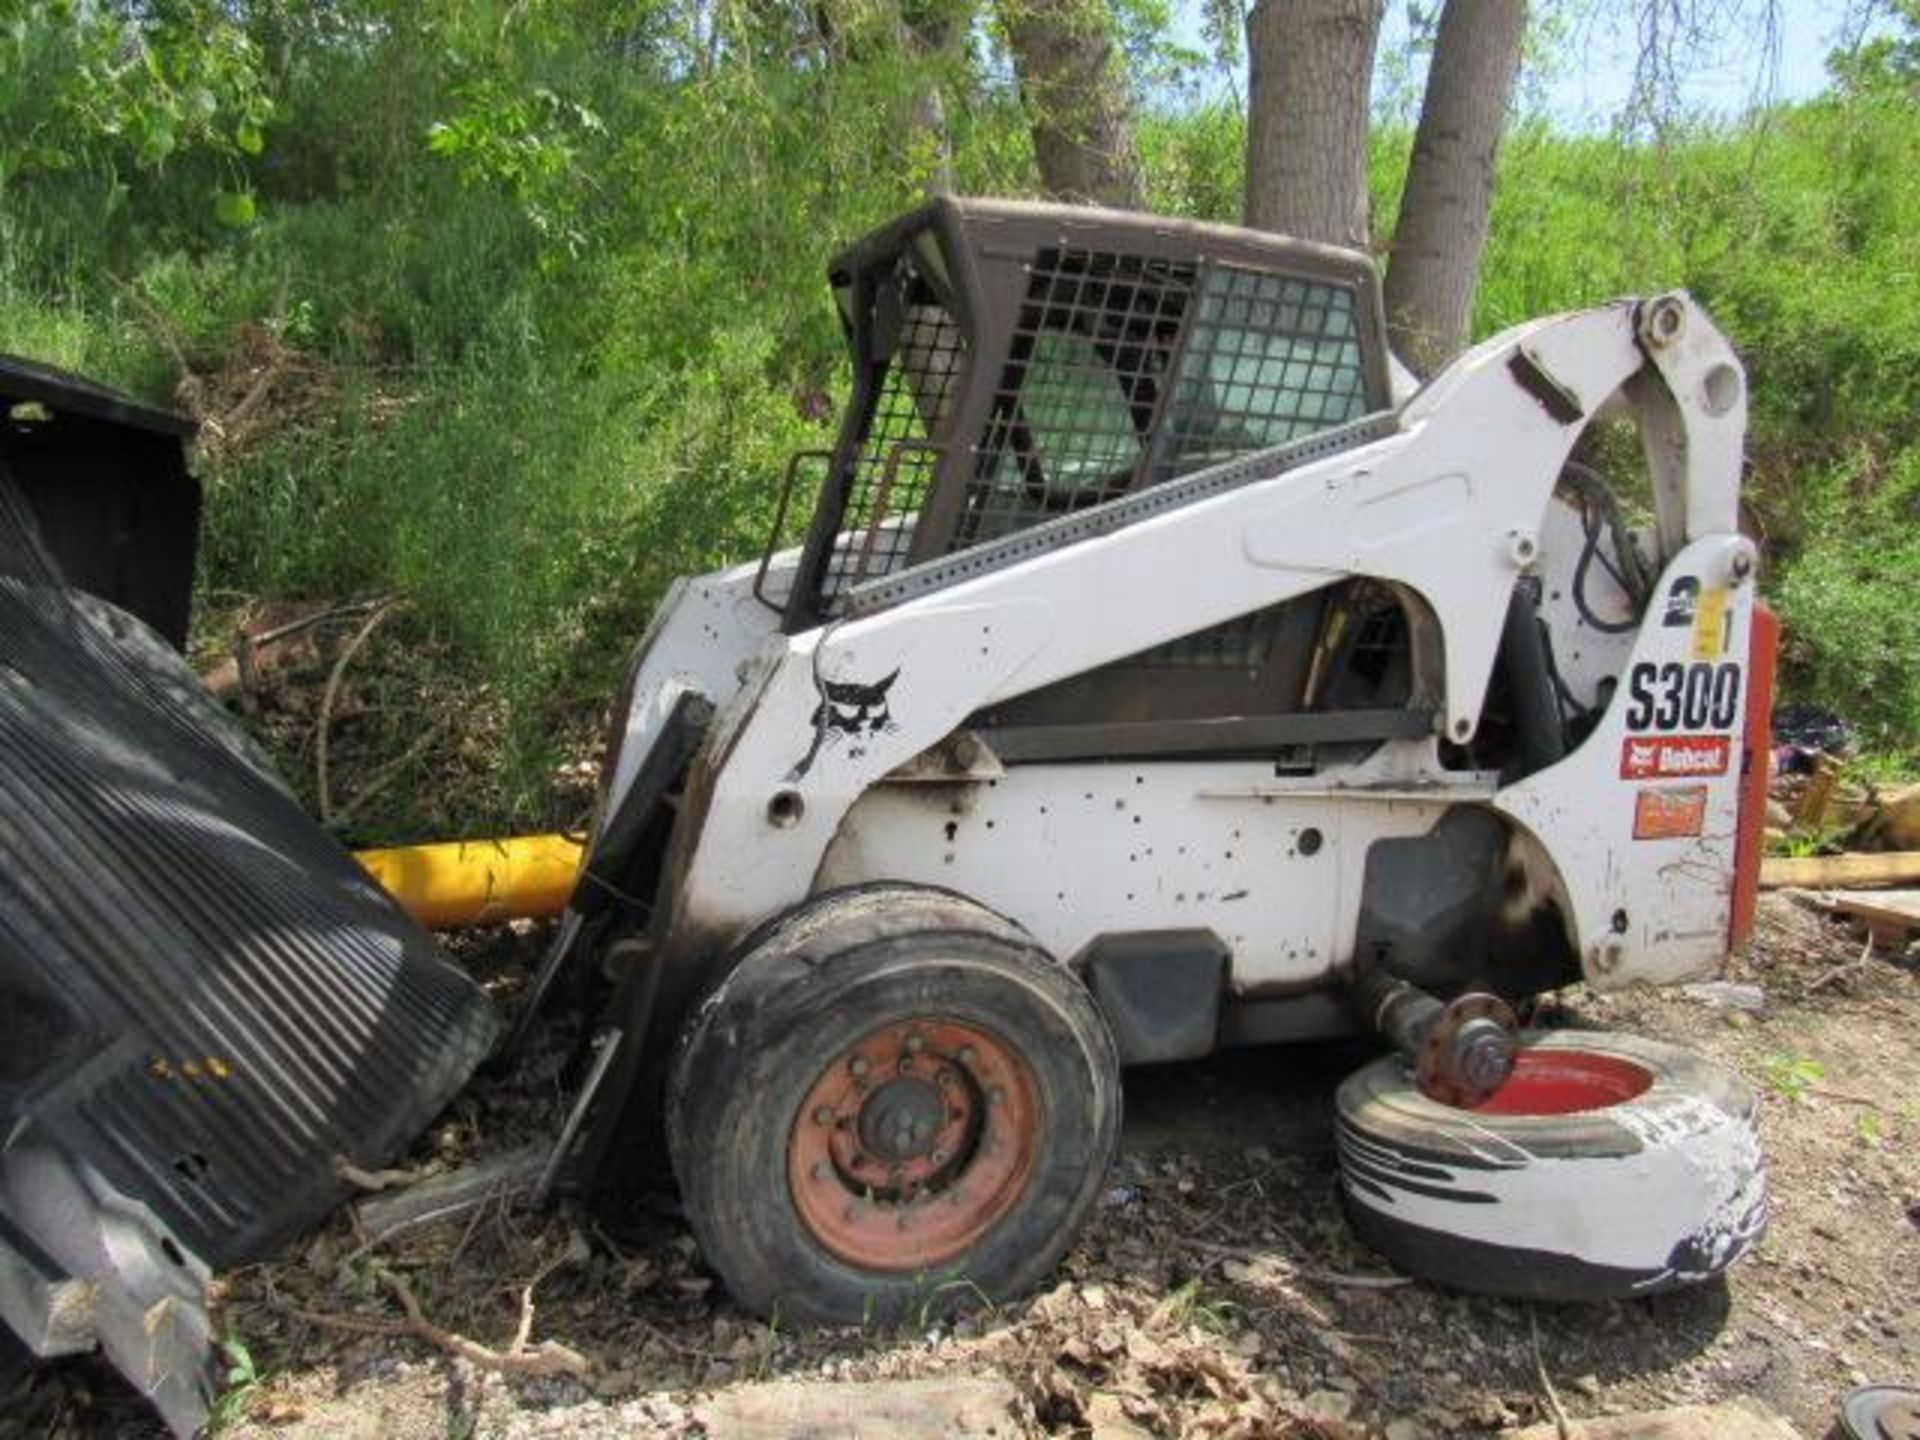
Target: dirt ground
{"x": 1216, "y": 1292}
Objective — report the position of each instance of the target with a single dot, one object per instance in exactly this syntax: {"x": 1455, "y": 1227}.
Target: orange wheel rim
{"x": 913, "y": 1142}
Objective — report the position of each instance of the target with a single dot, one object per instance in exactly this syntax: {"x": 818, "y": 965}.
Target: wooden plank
{"x": 878, "y": 1410}
{"x": 1839, "y": 872}
{"x": 1888, "y": 909}
{"x": 1743, "y": 1419}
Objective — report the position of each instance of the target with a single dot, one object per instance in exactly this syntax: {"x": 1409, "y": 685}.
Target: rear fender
{"x": 1641, "y": 821}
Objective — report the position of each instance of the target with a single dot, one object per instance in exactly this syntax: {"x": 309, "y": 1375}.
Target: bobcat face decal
{"x": 849, "y": 712}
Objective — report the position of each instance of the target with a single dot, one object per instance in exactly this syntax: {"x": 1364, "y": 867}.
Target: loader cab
{"x": 1015, "y": 363}
{"x": 1017, "y": 367}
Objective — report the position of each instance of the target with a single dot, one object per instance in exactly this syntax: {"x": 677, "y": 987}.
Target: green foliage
{"x": 1853, "y": 632}
{"x": 1195, "y": 161}
{"x": 1870, "y": 1128}
{"x": 1889, "y": 63}
{"x": 240, "y": 1385}
{"x": 97, "y": 87}
{"x": 1791, "y": 1077}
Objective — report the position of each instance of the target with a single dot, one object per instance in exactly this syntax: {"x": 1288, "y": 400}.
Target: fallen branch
{"x": 1296, "y": 1270}
{"x": 1357, "y": 1282}
{"x": 1840, "y": 972}
{"x": 324, "y": 723}
{"x": 229, "y": 426}
{"x": 549, "y": 1357}
{"x": 255, "y": 652}
{"x": 374, "y": 1181}
{"x": 1842, "y": 1097}
{"x": 1562, "y": 1426}
{"x": 246, "y": 674}
{"x": 505, "y": 1177}
{"x": 523, "y": 1332}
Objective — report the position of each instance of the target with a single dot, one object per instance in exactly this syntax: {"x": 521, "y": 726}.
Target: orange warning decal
{"x": 1670, "y": 814}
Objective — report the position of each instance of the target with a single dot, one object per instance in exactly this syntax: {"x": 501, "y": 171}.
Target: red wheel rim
{"x": 913, "y": 1142}
{"x": 1565, "y": 1082}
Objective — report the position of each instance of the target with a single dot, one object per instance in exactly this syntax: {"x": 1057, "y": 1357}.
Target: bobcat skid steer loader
{"x": 1156, "y": 675}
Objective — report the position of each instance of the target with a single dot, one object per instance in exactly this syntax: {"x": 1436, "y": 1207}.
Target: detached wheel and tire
{"x": 896, "y": 1104}
{"x": 1607, "y": 1166}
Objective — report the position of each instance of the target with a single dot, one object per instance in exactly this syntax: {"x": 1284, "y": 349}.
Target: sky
{"x": 1590, "y": 73}
{"x": 1724, "y": 80}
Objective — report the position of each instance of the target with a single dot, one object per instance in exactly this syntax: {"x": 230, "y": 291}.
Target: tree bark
{"x": 930, "y": 33}
{"x": 1309, "y": 73}
{"x": 1446, "y": 205}
{"x": 1073, "y": 85}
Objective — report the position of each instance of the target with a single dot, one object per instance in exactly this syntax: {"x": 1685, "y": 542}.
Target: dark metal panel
{"x": 107, "y": 480}
{"x": 622, "y": 867}
{"x": 1442, "y": 910}
{"x": 1229, "y": 735}
{"x": 23, "y": 380}
{"x": 1257, "y": 664}
{"x": 1159, "y": 990}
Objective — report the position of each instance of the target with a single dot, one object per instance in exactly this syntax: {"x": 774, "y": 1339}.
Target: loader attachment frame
{"x": 206, "y": 1007}
{"x": 107, "y": 481}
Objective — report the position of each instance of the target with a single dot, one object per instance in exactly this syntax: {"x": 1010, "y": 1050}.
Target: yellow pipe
{"x": 478, "y": 882}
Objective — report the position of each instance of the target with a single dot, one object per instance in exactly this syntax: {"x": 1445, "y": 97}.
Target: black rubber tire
{"x": 813, "y": 982}
{"x": 1651, "y": 1193}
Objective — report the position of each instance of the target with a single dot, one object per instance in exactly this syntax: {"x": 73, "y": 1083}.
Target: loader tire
{"x": 896, "y": 1106}
{"x": 1609, "y": 1165}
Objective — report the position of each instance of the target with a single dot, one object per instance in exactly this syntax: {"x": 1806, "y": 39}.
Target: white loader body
{"x": 1635, "y": 832}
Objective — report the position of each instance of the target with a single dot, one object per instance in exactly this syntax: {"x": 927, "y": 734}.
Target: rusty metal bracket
{"x": 883, "y": 493}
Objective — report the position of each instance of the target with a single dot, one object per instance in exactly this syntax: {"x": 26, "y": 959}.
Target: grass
{"x": 1194, "y": 1304}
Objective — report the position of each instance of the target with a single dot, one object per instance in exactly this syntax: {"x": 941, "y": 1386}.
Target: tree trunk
{"x": 930, "y": 33}
{"x": 1309, "y": 71}
{"x": 1073, "y": 85}
{"x": 1446, "y": 205}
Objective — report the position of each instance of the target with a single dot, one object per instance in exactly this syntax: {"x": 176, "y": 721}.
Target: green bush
{"x": 1852, "y": 627}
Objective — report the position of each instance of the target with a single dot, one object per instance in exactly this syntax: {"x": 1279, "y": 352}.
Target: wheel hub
{"x": 899, "y": 1121}
{"x": 913, "y": 1142}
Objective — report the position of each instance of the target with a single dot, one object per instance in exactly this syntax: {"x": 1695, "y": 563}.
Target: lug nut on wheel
{"x": 1483, "y": 1056}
